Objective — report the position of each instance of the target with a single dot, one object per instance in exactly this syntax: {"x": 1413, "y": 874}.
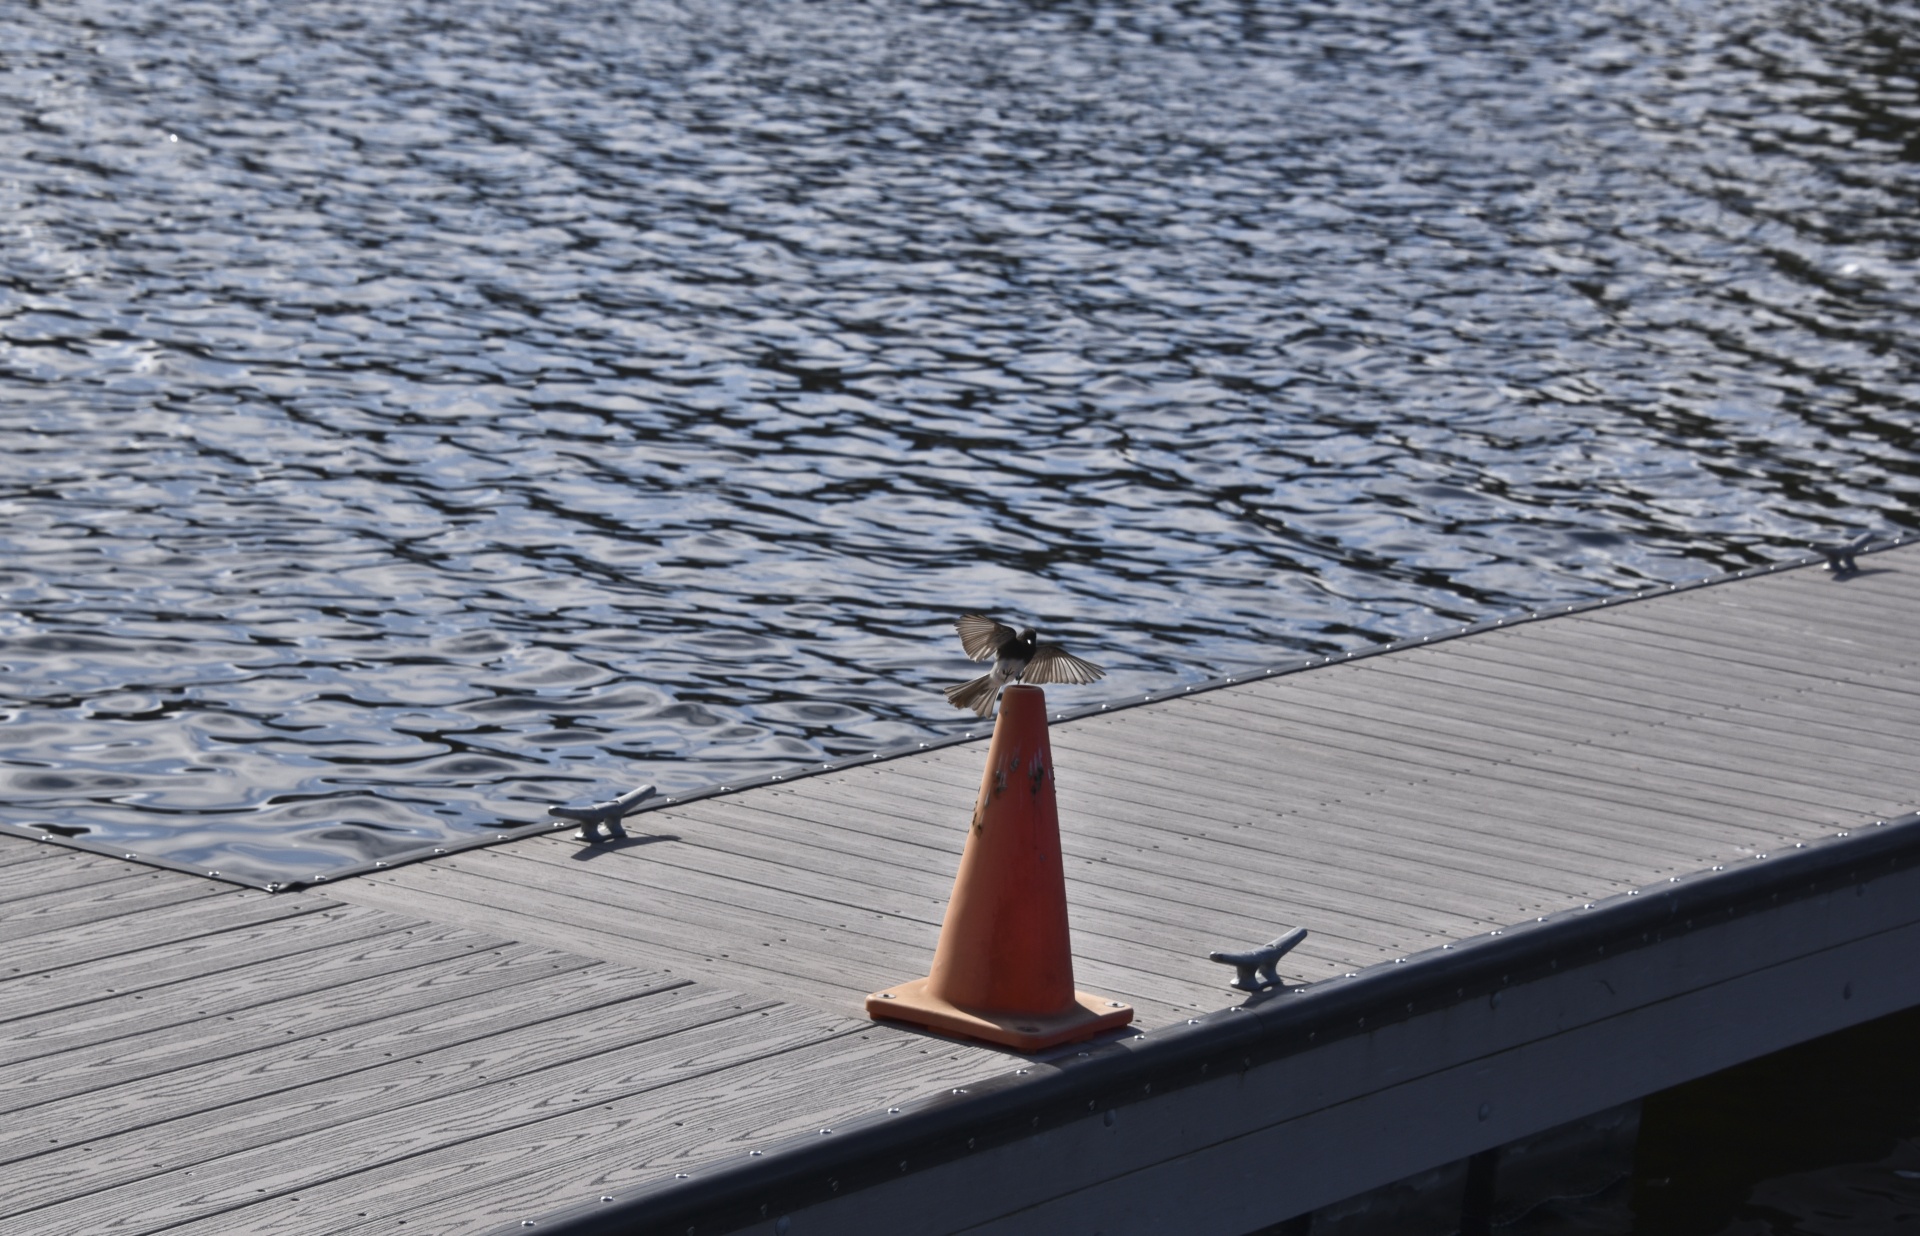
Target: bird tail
{"x": 979, "y": 695}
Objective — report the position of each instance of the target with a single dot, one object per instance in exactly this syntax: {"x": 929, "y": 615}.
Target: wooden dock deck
{"x": 602, "y": 1038}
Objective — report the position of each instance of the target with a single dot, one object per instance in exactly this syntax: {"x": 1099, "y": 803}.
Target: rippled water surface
{"x": 415, "y": 413}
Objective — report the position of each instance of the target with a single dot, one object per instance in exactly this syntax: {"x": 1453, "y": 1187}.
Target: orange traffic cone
{"x": 1003, "y": 970}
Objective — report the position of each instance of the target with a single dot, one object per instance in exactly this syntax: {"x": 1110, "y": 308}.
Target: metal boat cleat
{"x": 1840, "y": 557}
{"x": 1255, "y": 966}
{"x": 606, "y": 815}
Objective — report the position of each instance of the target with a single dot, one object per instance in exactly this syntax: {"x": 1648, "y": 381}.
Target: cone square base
{"x": 911, "y": 1002}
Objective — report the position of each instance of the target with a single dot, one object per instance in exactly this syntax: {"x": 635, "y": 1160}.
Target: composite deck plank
{"x": 739, "y": 934}
{"x": 1175, "y": 800}
{"x": 459, "y": 897}
{"x": 1750, "y": 784}
{"x": 635, "y": 881}
{"x": 1397, "y": 846}
{"x": 172, "y": 962}
{"x": 1430, "y": 701}
{"x": 1412, "y": 708}
{"x": 1549, "y": 684}
{"x": 1102, "y": 879}
{"x": 61, "y": 911}
{"x": 1420, "y": 708}
{"x": 1689, "y": 734}
{"x": 1604, "y": 829}
{"x": 936, "y": 882}
{"x": 1678, "y": 680}
{"x": 1838, "y": 615}
{"x": 1888, "y": 573}
{"x": 654, "y": 867}
{"x": 1299, "y": 720}
{"x": 1837, "y": 771}
{"x": 1705, "y": 784}
{"x": 1839, "y": 640}
{"x": 1157, "y": 839}
{"x": 17, "y": 851}
{"x": 1615, "y": 874}
{"x": 1834, "y": 619}
{"x": 507, "y": 1177}
{"x": 1776, "y": 621}
{"x": 1271, "y": 845}
{"x": 1708, "y": 809}
{"x": 1183, "y": 730}
{"x": 838, "y": 981}
{"x": 1530, "y": 697}
{"x": 1680, "y": 674}
{"x": 1687, "y": 682}
{"x": 195, "y": 1061}
{"x": 796, "y": 914}
{"x": 1475, "y": 770}
{"x": 37, "y": 875}
{"x": 339, "y": 952}
{"x": 119, "y": 935}
{"x": 1800, "y": 664}
{"x": 1114, "y": 829}
{"x": 587, "y": 1060}
{"x": 368, "y": 1101}
{"x": 1645, "y": 782}
{"x": 851, "y": 966}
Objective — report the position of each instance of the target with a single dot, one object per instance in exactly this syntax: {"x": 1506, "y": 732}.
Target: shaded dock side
{"x": 570, "y": 1025}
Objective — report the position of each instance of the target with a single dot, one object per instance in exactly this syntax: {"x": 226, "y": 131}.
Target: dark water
{"x": 1822, "y": 1139}
{"x": 415, "y": 413}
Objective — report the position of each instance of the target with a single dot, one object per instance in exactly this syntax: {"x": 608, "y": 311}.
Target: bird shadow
{"x": 596, "y": 848}
{"x": 1841, "y": 577}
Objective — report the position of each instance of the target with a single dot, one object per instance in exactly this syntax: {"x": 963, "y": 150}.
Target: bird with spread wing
{"x": 1017, "y": 656}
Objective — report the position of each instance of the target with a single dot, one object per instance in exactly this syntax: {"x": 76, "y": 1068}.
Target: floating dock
{"x": 1547, "y": 866}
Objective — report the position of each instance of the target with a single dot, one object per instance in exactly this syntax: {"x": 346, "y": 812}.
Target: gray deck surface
{"x": 459, "y": 1045}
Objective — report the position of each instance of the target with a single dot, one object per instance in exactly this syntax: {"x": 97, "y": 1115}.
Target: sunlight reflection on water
{"x": 411, "y": 420}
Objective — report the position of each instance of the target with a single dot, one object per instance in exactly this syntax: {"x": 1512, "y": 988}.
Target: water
{"x": 1822, "y": 1139}
{"x": 412, "y": 414}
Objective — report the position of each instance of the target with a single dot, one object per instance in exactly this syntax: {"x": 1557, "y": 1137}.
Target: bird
{"x": 1017, "y": 656}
